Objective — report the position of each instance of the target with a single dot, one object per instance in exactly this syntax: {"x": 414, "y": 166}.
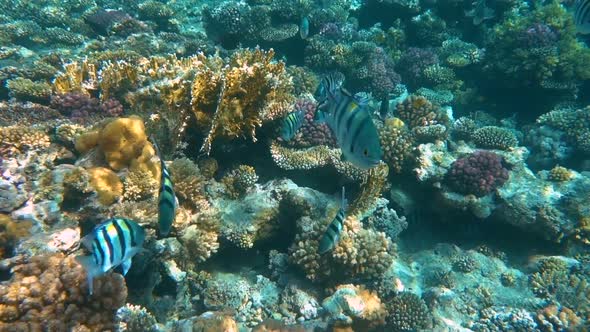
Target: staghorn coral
{"x": 11, "y": 231}
{"x": 239, "y": 181}
{"x": 50, "y": 292}
{"x": 407, "y": 312}
{"x": 493, "y": 137}
{"x": 396, "y": 142}
{"x": 16, "y": 140}
{"x": 478, "y": 173}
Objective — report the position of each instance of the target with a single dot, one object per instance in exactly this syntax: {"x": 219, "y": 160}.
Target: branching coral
{"x": 236, "y": 97}
{"x": 396, "y": 142}
{"x": 50, "y": 292}
{"x": 188, "y": 183}
{"x": 493, "y": 137}
{"x": 477, "y": 174}
{"x": 575, "y": 124}
{"x": 370, "y": 190}
{"x": 16, "y": 140}
{"x": 417, "y": 111}
{"x": 407, "y": 312}
{"x": 140, "y": 184}
{"x": 239, "y": 180}
{"x": 201, "y": 238}
{"x": 25, "y": 89}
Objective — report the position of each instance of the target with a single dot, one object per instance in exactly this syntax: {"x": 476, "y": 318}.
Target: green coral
{"x": 27, "y": 90}
{"x": 493, "y": 137}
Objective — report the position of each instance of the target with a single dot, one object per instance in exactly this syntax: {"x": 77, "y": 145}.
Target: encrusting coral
{"x": 50, "y": 292}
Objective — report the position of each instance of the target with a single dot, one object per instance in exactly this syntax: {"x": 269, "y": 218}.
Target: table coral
{"x": 50, "y": 292}
{"x": 478, "y": 173}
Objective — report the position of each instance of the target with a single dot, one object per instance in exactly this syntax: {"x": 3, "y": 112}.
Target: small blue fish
{"x": 112, "y": 243}
{"x": 167, "y": 201}
{"x": 304, "y": 27}
{"x": 350, "y": 121}
{"x": 291, "y": 124}
{"x": 332, "y": 233}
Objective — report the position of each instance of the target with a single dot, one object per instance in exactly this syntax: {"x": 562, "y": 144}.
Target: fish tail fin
{"x": 344, "y": 202}
{"x": 92, "y": 270}
{"x": 319, "y": 116}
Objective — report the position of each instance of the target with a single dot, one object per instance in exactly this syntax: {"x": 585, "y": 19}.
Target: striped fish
{"x": 291, "y": 124}
{"x": 167, "y": 201}
{"x": 332, "y": 233}
{"x": 350, "y": 121}
{"x": 112, "y": 243}
{"x": 582, "y": 16}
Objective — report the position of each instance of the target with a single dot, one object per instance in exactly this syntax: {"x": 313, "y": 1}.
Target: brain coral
{"x": 478, "y": 173}
{"x": 50, "y": 293}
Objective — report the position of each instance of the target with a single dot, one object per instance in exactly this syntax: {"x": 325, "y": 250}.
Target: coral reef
{"x": 50, "y": 292}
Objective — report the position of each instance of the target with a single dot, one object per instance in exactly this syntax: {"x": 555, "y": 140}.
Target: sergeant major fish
{"x": 332, "y": 233}
{"x": 350, "y": 121}
{"x": 112, "y": 243}
{"x": 291, "y": 124}
{"x": 582, "y": 16}
{"x": 167, "y": 201}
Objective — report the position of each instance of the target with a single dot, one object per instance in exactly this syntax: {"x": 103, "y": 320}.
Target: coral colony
{"x": 350, "y": 165}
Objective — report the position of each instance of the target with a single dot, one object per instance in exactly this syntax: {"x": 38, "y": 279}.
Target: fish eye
{"x": 366, "y": 152}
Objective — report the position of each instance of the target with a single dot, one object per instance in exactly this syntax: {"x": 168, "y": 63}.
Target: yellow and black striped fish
{"x": 332, "y": 233}
{"x": 112, "y": 243}
{"x": 291, "y": 124}
{"x": 350, "y": 121}
{"x": 166, "y": 198}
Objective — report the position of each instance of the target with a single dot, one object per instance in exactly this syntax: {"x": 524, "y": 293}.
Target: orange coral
{"x": 49, "y": 293}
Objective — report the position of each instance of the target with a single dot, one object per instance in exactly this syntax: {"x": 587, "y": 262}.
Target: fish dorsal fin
{"x": 344, "y": 202}
{"x": 319, "y": 116}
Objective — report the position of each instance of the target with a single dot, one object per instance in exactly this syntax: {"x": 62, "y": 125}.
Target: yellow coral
{"x": 238, "y": 97}
{"x": 370, "y": 190}
{"x": 77, "y": 77}
{"x": 122, "y": 140}
{"x": 106, "y": 183}
{"x": 560, "y": 174}
{"x": 140, "y": 184}
{"x": 201, "y": 238}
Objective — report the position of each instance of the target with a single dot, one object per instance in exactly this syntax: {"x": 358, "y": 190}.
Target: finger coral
{"x": 397, "y": 143}
{"x": 50, "y": 292}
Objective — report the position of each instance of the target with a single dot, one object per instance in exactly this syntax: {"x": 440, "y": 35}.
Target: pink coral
{"x": 479, "y": 173}
{"x": 311, "y": 132}
{"x": 82, "y": 108}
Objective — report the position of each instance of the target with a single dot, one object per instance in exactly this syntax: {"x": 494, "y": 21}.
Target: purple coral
{"x": 311, "y": 132}
{"x": 383, "y": 78}
{"x": 80, "y": 107}
{"x": 478, "y": 173}
{"x": 538, "y": 35}
{"x": 412, "y": 63}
